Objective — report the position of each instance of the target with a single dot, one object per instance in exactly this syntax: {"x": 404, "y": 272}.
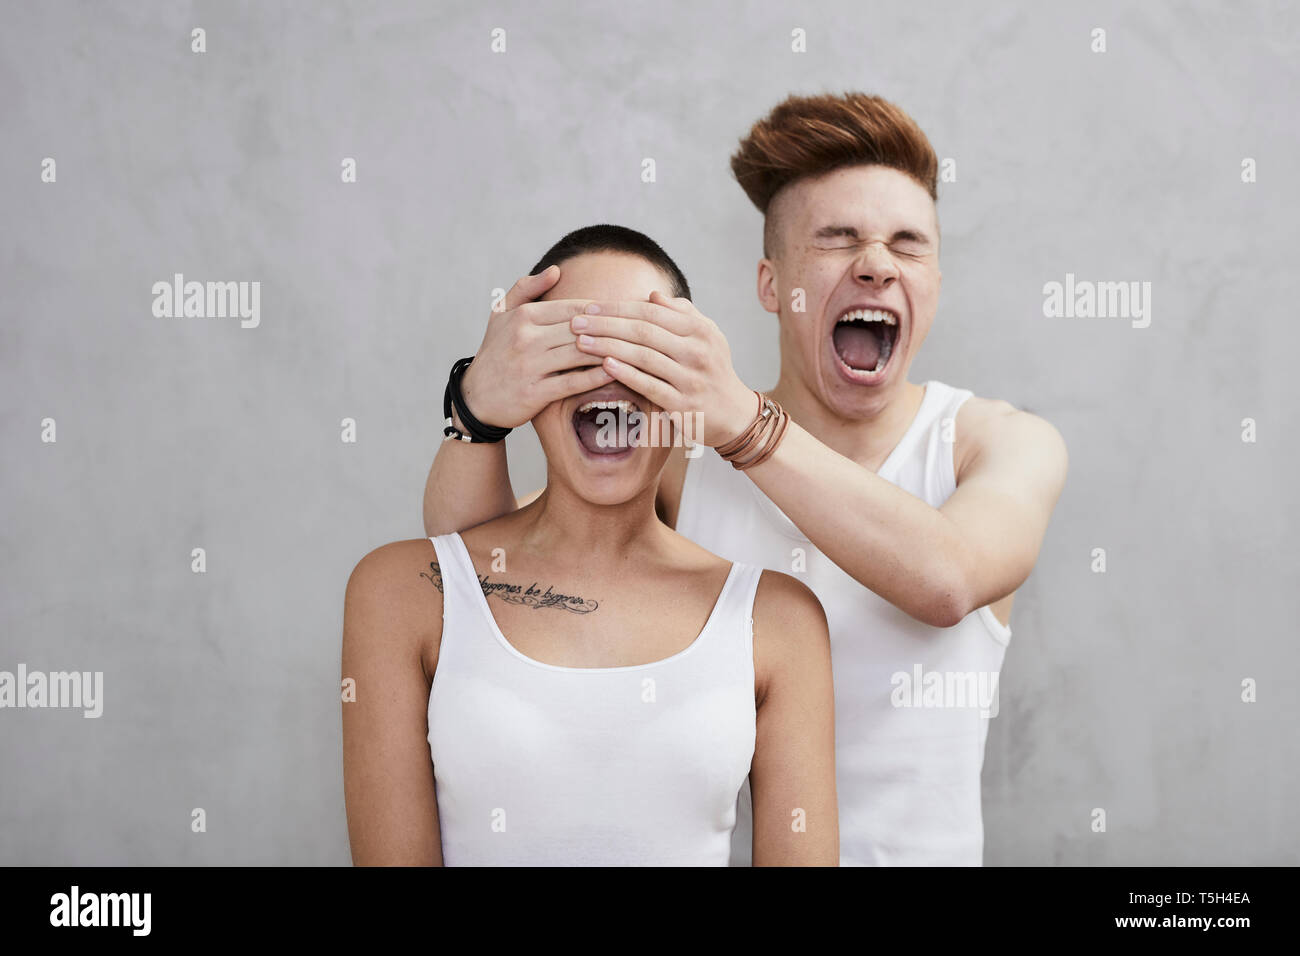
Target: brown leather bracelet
{"x": 729, "y": 449}
{"x": 758, "y": 441}
{"x": 770, "y": 446}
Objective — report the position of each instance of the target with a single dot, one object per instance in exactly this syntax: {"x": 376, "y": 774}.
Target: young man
{"x": 913, "y": 511}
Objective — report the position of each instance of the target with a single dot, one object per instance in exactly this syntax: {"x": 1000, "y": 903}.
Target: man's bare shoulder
{"x": 994, "y": 426}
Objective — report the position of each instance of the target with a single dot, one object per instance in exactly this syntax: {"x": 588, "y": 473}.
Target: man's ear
{"x": 768, "y": 295}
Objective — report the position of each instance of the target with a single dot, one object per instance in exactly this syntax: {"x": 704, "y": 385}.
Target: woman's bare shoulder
{"x": 394, "y": 596}
{"x": 788, "y": 609}
{"x": 394, "y": 567}
{"x": 790, "y": 630}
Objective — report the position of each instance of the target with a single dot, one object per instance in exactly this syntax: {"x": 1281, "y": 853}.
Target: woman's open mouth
{"x": 608, "y": 429}
{"x": 863, "y": 341}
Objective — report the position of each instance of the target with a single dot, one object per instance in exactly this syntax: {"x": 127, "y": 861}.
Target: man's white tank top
{"x": 537, "y": 764}
{"x": 910, "y": 699}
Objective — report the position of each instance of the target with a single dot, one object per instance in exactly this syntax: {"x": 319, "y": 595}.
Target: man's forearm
{"x": 889, "y": 541}
{"x": 468, "y": 484}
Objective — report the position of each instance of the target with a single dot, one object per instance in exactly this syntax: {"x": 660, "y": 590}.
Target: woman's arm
{"x": 792, "y": 778}
{"x": 387, "y": 771}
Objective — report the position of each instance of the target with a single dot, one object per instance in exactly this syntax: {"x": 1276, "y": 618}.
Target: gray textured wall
{"x": 1121, "y": 690}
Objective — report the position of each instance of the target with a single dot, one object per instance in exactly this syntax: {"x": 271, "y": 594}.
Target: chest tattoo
{"x": 532, "y": 595}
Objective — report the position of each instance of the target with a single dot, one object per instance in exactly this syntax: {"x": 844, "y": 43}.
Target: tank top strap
{"x": 952, "y": 400}
{"x": 739, "y": 599}
{"x": 940, "y": 476}
{"x": 459, "y": 582}
{"x": 734, "y": 616}
{"x": 935, "y": 406}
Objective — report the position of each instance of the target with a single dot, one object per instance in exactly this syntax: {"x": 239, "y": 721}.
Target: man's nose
{"x": 875, "y": 265}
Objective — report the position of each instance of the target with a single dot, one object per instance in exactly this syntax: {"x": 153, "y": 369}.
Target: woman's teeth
{"x": 623, "y": 405}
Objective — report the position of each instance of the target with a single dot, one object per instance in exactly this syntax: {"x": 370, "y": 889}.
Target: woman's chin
{"x": 609, "y": 489}
{"x": 609, "y": 479}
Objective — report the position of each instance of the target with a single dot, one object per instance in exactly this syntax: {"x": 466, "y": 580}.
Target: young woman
{"x": 574, "y": 683}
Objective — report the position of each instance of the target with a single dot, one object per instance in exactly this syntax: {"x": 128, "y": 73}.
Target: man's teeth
{"x": 863, "y": 316}
{"x": 622, "y": 404}
{"x": 869, "y": 315}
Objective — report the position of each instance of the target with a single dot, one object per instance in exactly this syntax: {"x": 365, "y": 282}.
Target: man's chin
{"x": 852, "y": 395}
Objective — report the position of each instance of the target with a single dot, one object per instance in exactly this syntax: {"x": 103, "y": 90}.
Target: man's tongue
{"x": 858, "y": 346}
{"x": 592, "y": 432}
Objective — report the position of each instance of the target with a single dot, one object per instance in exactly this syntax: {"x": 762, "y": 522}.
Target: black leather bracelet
{"x": 475, "y": 430}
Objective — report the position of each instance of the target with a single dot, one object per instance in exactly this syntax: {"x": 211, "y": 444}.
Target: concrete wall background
{"x": 1120, "y": 691}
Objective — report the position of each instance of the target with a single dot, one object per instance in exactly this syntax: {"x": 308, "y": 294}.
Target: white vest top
{"x": 909, "y": 698}
{"x": 541, "y": 765}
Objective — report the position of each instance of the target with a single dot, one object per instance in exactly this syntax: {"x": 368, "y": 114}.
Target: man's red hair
{"x": 806, "y": 136}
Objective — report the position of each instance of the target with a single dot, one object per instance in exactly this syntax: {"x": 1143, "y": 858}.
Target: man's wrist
{"x": 460, "y": 421}
{"x": 739, "y": 417}
{"x": 467, "y": 395}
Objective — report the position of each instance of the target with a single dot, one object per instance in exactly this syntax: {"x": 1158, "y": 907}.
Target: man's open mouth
{"x": 608, "y": 428}
{"x": 864, "y": 340}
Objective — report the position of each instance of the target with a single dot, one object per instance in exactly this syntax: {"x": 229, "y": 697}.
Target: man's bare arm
{"x": 527, "y": 360}
{"x": 467, "y": 485}
{"x": 936, "y": 564}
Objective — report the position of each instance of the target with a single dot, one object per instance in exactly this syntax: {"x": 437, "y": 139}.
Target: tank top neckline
{"x": 914, "y": 428}
{"x": 480, "y": 601}
{"x": 920, "y": 421}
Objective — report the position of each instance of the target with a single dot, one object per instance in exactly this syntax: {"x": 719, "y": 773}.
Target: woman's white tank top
{"x": 540, "y": 765}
